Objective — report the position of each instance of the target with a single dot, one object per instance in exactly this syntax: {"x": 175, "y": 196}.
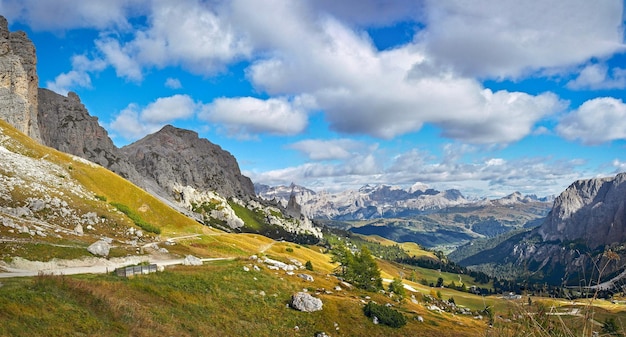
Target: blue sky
{"x": 489, "y": 97}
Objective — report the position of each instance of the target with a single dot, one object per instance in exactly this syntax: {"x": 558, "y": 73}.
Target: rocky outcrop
{"x": 305, "y": 302}
{"x": 65, "y": 124}
{"x": 18, "y": 81}
{"x": 593, "y": 206}
{"x": 177, "y": 157}
{"x": 99, "y": 248}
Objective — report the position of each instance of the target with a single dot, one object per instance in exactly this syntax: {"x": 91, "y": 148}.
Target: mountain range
{"x": 581, "y": 241}
{"x": 204, "y": 182}
{"x": 175, "y": 165}
{"x": 434, "y": 219}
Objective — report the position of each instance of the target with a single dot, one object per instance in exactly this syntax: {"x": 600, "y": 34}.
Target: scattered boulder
{"x": 78, "y": 230}
{"x": 100, "y": 248}
{"x": 304, "y": 302}
{"x": 191, "y": 260}
{"x": 306, "y": 277}
{"x": 322, "y": 334}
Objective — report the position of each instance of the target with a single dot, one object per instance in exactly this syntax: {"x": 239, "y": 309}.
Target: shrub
{"x": 289, "y": 249}
{"x": 385, "y": 315}
{"x": 136, "y": 218}
{"x": 308, "y": 265}
{"x": 397, "y": 288}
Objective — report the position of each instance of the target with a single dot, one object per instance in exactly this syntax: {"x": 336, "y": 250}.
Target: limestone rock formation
{"x": 593, "y": 206}
{"x": 305, "y": 302}
{"x": 587, "y": 220}
{"x": 66, "y": 125}
{"x": 176, "y": 157}
{"x": 18, "y": 81}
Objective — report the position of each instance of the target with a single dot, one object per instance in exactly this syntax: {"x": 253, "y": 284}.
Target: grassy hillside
{"x": 219, "y": 298}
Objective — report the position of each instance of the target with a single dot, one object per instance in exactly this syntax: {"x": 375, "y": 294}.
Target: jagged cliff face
{"x": 593, "y": 211}
{"x": 65, "y": 124}
{"x": 176, "y": 157}
{"x": 570, "y": 246}
{"x": 18, "y": 81}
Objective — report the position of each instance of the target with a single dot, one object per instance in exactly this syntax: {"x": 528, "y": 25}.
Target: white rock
{"x": 191, "y": 260}
{"x": 100, "y": 248}
{"x": 78, "y": 230}
{"x": 305, "y": 302}
{"x": 306, "y": 277}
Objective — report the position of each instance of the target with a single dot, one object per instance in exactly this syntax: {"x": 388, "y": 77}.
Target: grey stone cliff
{"x": 587, "y": 220}
{"x": 18, "y": 81}
{"x": 592, "y": 211}
{"x": 65, "y": 124}
{"x": 174, "y": 156}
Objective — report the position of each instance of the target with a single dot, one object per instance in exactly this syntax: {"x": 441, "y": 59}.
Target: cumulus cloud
{"x": 134, "y": 122}
{"x": 167, "y": 109}
{"x": 173, "y": 83}
{"x": 77, "y": 77}
{"x": 598, "y": 76}
{"x": 494, "y": 176}
{"x": 247, "y": 116}
{"x": 596, "y": 121}
{"x": 44, "y": 15}
{"x": 320, "y": 149}
{"x": 202, "y": 40}
{"x": 394, "y": 92}
{"x": 504, "y": 39}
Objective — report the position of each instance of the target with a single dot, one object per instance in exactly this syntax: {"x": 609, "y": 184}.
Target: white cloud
{"x": 134, "y": 122}
{"x": 596, "y": 121}
{"x": 166, "y": 109}
{"x": 191, "y": 34}
{"x": 390, "y": 93}
{"x": 45, "y": 15}
{"x": 494, "y": 38}
{"x": 318, "y": 149}
{"x": 597, "y": 76}
{"x": 173, "y": 83}
{"x": 495, "y": 176}
{"x": 128, "y": 124}
{"x": 77, "y": 77}
{"x": 120, "y": 58}
{"x": 247, "y": 116}
{"x": 620, "y": 166}
{"x": 64, "y": 82}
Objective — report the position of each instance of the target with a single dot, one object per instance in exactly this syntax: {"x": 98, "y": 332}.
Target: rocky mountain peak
{"x": 177, "y": 157}
{"x": 81, "y": 133}
{"x": 18, "y": 85}
{"x": 595, "y": 206}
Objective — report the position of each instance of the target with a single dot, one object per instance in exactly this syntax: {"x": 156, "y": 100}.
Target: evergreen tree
{"x": 397, "y": 288}
{"x": 359, "y": 268}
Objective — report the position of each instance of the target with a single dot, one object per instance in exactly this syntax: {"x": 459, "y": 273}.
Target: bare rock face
{"x": 584, "y": 231}
{"x": 18, "y": 81}
{"x": 65, "y": 124}
{"x": 176, "y": 157}
{"x": 592, "y": 211}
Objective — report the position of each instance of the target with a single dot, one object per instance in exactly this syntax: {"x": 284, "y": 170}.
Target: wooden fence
{"x": 136, "y": 270}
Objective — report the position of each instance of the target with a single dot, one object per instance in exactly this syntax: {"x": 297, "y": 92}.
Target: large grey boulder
{"x": 305, "y": 302}
{"x": 191, "y": 260}
{"x": 100, "y": 248}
